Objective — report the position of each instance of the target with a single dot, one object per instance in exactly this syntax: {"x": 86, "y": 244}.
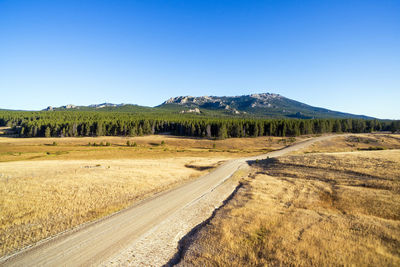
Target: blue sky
{"x": 341, "y": 55}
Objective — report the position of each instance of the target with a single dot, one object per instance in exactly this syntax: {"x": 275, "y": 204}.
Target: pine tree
{"x": 47, "y": 132}
{"x": 222, "y": 132}
{"x": 146, "y": 127}
{"x": 140, "y": 131}
{"x": 99, "y": 129}
{"x": 208, "y": 130}
{"x": 337, "y": 127}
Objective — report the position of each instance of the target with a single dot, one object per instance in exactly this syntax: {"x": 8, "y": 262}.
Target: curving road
{"x": 96, "y": 242}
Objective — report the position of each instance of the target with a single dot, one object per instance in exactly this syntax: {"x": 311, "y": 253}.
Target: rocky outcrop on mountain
{"x": 93, "y": 106}
{"x": 69, "y": 106}
{"x": 104, "y": 105}
{"x": 263, "y": 104}
{"x": 226, "y": 102}
{"x": 195, "y": 110}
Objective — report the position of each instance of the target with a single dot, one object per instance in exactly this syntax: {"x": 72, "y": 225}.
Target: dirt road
{"x": 94, "y": 243}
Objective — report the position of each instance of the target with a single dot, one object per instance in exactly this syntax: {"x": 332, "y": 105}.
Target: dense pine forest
{"x": 92, "y": 123}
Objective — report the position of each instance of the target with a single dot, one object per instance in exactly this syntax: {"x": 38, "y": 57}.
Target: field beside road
{"x": 146, "y": 147}
{"x": 310, "y": 209}
{"x": 358, "y": 142}
{"x": 49, "y": 185}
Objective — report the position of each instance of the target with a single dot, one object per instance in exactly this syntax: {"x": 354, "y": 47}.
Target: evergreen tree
{"x": 337, "y": 127}
{"x": 47, "y": 132}
{"x": 99, "y": 129}
{"x": 208, "y": 130}
{"x": 222, "y": 132}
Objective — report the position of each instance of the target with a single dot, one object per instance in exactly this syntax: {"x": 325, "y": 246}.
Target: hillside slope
{"x": 265, "y": 104}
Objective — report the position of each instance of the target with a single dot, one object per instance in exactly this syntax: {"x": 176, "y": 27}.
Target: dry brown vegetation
{"x": 39, "y": 199}
{"x": 308, "y": 210}
{"x": 357, "y": 142}
{"x": 47, "y": 187}
{"x": 147, "y": 147}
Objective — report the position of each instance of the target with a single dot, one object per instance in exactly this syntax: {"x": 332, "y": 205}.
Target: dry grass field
{"x": 41, "y": 198}
{"x": 146, "y": 147}
{"x": 47, "y": 188}
{"x": 308, "y": 210}
{"x": 358, "y": 142}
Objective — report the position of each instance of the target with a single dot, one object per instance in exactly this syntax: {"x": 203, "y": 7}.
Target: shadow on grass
{"x": 199, "y": 168}
{"x": 273, "y": 167}
{"x": 188, "y": 239}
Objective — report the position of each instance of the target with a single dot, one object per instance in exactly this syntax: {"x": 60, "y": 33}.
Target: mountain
{"x": 93, "y": 106}
{"x": 260, "y": 105}
{"x": 265, "y": 105}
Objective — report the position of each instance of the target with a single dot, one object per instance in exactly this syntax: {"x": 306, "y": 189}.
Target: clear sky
{"x": 341, "y": 55}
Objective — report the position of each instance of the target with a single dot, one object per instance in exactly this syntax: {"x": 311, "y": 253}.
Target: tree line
{"x": 87, "y": 123}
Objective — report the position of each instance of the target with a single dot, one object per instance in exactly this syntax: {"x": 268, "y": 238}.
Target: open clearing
{"x": 358, "y": 142}
{"x": 308, "y": 210}
{"x": 46, "y": 197}
{"x": 46, "y": 189}
{"x": 146, "y": 147}
{"x": 104, "y": 240}
{"x": 331, "y": 208}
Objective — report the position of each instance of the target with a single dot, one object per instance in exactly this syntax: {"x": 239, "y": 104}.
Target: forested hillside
{"x": 261, "y": 105}
{"x": 91, "y": 123}
{"x": 265, "y": 105}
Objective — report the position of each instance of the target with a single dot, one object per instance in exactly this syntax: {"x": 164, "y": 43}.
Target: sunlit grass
{"x": 309, "y": 210}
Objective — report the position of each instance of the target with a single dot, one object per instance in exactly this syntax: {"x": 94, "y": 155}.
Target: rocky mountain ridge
{"x": 231, "y": 104}
{"x": 96, "y": 106}
{"x": 264, "y": 105}
{"x": 261, "y": 105}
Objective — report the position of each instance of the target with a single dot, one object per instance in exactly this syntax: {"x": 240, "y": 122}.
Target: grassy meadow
{"x": 146, "y": 147}
{"x": 49, "y": 185}
{"x": 322, "y": 209}
{"x": 359, "y": 142}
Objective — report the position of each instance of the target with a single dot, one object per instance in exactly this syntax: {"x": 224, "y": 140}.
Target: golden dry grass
{"x": 14, "y": 149}
{"x": 356, "y": 142}
{"x": 46, "y": 189}
{"x": 41, "y": 198}
{"x": 308, "y": 210}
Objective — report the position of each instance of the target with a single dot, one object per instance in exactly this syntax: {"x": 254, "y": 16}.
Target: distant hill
{"x": 103, "y": 107}
{"x": 94, "y": 106}
{"x": 260, "y": 105}
{"x": 265, "y": 105}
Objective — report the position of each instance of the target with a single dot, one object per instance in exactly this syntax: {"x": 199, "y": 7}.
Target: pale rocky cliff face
{"x": 228, "y": 103}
